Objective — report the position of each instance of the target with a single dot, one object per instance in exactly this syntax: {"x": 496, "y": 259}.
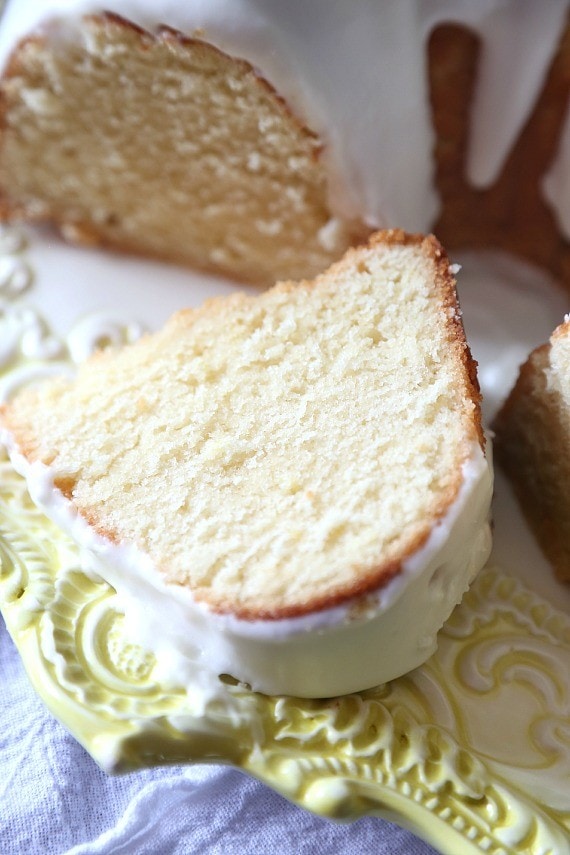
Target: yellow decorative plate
{"x": 471, "y": 751}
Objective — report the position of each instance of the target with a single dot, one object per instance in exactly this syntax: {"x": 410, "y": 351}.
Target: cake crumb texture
{"x": 166, "y": 146}
{"x": 276, "y": 454}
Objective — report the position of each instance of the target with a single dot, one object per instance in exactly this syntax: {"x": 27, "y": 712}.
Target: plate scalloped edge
{"x": 471, "y": 751}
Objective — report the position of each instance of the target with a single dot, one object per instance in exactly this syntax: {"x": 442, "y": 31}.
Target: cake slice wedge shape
{"x": 290, "y": 488}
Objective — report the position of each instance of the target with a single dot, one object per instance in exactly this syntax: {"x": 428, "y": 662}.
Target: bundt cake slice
{"x": 312, "y": 457}
{"x": 260, "y": 140}
{"x": 164, "y": 145}
{"x": 533, "y": 444}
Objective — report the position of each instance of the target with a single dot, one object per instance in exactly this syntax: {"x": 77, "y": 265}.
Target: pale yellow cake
{"x": 276, "y": 455}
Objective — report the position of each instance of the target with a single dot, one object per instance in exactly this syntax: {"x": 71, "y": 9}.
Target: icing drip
{"x": 518, "y": 41}
{"x": 355, "y": 71}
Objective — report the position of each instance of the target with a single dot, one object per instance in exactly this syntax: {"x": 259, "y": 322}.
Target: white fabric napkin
{"x": 54, "y": 800}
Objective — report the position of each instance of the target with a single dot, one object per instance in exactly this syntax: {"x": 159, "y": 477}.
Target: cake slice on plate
{"x": 290, "y": 488}
{"x": 533, "y": 441}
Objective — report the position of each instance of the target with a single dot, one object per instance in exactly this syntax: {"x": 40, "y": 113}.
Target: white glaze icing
{"x": 355, "y": 71}
{"x": 509, "y": 308}
{"x": 363, "y": 643}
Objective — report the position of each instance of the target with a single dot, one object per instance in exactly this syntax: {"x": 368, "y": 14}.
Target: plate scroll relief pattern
{"x": 471, "y": 751}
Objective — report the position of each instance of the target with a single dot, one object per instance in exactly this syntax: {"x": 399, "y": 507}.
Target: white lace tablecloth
{"x": 55, "y": 800}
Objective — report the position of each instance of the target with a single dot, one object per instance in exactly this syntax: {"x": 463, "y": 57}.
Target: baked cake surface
{"x": 532, "y": 444}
